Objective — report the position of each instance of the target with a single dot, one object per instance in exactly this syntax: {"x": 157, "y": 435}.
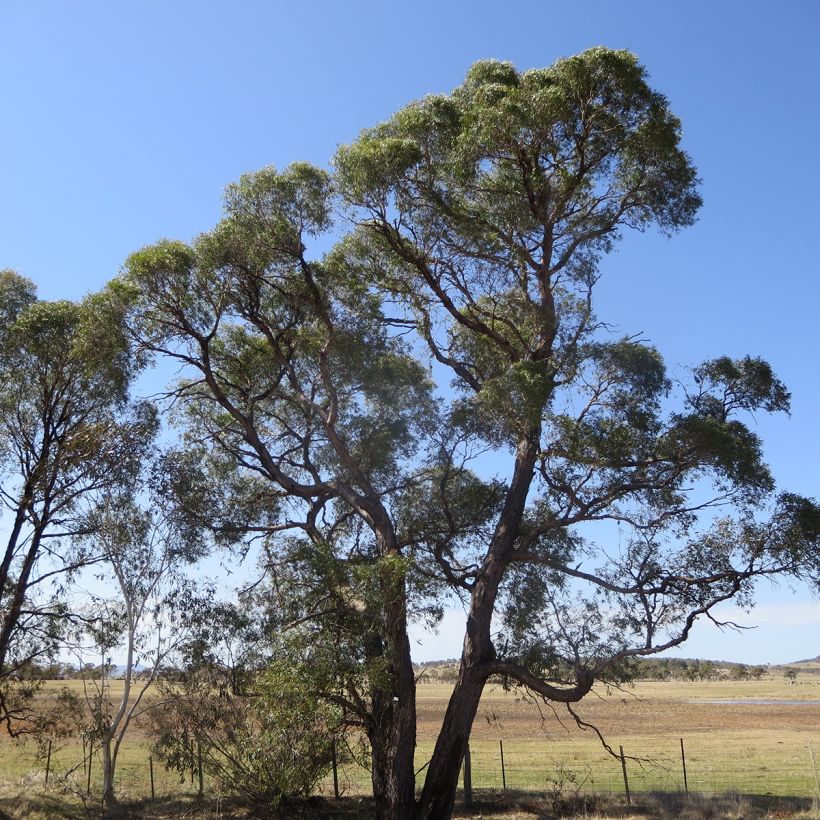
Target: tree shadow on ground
{"x": 523, "y": 806}
{"x": 35, "y": 804}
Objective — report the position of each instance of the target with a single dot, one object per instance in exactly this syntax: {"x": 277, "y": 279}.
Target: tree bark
{"x": 392, "y": 726}
{"x": 438, "y": 796}
{"x": 19, "y": 590}
{"x": 392, "y": 748}
{"x": 112, "y": 806}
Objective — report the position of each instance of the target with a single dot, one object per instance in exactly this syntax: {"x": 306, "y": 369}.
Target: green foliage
{"x": 243, "y": 297}
{"x": 16, "y": 293}
{"x": 490, "y": 208}
{"x": 67, "y": 433}
{"x": 513, "y": 149}
{"x": 315, "y": 416}
{"x": 272, "y": 744}
{"x": 207, "y": 498}
{"x": 291, "y": 203}
{"x": 793, "y": 535}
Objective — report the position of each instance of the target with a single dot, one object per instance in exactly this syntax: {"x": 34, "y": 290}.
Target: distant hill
{"x": 813, "y": 661}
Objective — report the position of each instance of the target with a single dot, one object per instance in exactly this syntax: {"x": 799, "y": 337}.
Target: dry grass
{"x": 754, "y": 749}
{"x": 34, "y": 805}
{"x": 742, "y": 746}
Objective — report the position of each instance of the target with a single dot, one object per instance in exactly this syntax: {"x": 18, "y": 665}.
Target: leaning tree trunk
{"x": 440, "y": 785}
{"x": 438, "y": 797}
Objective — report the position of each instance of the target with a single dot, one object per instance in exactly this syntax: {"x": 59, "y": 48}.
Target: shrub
{"x": 269, "y": 744}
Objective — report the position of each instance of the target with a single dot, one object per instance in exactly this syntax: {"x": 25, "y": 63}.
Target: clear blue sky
{"x": 123, "y": 121}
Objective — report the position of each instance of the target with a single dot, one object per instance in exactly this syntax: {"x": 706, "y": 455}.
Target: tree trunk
{"x": 112, "y": 806}
{"x": 19, "y": 589}
{"x": 392, "y": 728}
{"x": 438, "y": 797}
{"x": 392, "y": 748}
{"x": 439, "y": 793}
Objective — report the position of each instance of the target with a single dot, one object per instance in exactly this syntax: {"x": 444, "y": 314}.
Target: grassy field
{"x": 731, "y": 742}
{"x": 749, "y": 737}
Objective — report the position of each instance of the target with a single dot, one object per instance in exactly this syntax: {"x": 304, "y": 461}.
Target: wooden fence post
{"x": 335, "y": 770}
{"x": 199, "y": 767}
{"x": 626, "y": 779}
{"x": 503, "y": 772}
{"x": 90, "y": 756}
{"x": 151, "y": 774}
{"x": 48, "y": 761}
{"x": 683, "y": 761}
{"x": 468, "y": 780}
{"x": 816, "y": 778}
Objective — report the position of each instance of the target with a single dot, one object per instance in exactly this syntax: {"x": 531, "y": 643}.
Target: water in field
{"x": 757, "y": 702}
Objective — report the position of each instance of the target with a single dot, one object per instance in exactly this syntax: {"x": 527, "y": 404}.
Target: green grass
{"x": 734, "y": 764}
{"x": 21, "y": 763}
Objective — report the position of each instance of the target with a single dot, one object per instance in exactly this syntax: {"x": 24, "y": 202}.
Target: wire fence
{"x": 673, "y": 765}
{"x": 670, "y": 765}
{"x": 664, "y": 768}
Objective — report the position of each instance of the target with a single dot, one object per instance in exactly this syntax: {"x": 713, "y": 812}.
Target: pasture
{"x": 747, "y": 737}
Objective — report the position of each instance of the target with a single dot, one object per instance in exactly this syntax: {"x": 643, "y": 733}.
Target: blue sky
{"x": 122, "y": 123}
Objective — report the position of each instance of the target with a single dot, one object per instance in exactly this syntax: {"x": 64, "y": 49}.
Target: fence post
{"x": 626, "y": 779}
{"x": 468, "y": 780}
{"x": 683, "y": 760}
{"x": 335, "y": 770}
{"x": 199, "y": 766}
{"x": 816, "y": 778}
{"x": 503, "y": 772}
{"x": 151, "y": 774}
{"x": 90, "y": 755}
{"x": 48, "y": 761}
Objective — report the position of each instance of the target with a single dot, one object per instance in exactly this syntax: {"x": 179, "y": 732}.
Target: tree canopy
{"x": 67, "y": 433}
{"x": 355, "y": 344}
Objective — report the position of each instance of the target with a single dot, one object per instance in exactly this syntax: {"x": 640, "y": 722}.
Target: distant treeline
{"x": 657, "y": 669}
{"x": 446, "y": 671}
{"x": 58, "y": 670}
{"x": 695, "y": 670}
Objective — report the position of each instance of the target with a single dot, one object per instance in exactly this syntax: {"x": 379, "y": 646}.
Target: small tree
{"x": 151, "y": 614}
{"x": 757, "y": 672}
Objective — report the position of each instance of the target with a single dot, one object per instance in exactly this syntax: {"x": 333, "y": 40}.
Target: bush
{"x": 272, "y": 743}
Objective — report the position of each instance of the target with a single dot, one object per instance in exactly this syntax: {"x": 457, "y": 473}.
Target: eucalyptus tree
{"x": 149, "y": 612}
{"x": 317, "y": 389}
{"x": 67, "y": 433}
